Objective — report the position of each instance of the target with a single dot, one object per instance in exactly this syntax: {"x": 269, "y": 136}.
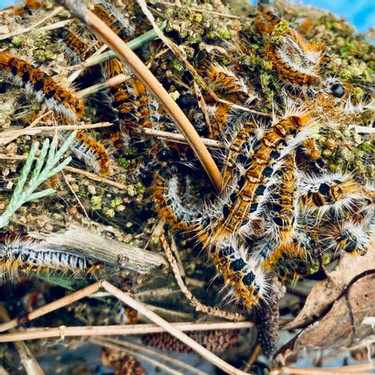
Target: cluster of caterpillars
{"x": 273, "y": 215}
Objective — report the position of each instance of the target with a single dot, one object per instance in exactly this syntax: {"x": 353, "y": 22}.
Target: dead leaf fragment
{"x": 326, "y": 292}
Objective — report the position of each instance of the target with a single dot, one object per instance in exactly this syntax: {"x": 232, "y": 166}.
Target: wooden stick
{"x": 64, "y": 301}
{"x": 115, "y": 330}
{"x": 226, "y": 367}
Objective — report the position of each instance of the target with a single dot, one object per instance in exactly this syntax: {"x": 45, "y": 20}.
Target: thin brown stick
{"x": 193, "y": 300}
{"x": 75, "y": 196}
{"x": 27, "y": 359}
{"x": 179, "y": 138}
{"x": 95, "y": 177}
{"x": 137, "y": 349}
{"x": 142, "y": 72}
{"x": 57, "y": 25}
{"x": 172, "y": 330}
{"x": 136, "y": 354}
{"x": 34, "y": 26}
{"x": 64, "y": 301}
{"x": 129, "y": 329}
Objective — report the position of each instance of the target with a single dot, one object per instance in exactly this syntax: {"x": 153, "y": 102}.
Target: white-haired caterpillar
{"x": 274, "y": 143}
{"x": 34, "y": 80}
{"x": 20, "y": 253}
{"x": 293, "y": 59}
{"x": 91, "y": 151}
{"x": 119, "y": 23}
{"x": 74, "y": 47}
{"x": 248, "y": 281}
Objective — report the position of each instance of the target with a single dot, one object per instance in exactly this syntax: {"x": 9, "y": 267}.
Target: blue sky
{"x": 360, "y": 13}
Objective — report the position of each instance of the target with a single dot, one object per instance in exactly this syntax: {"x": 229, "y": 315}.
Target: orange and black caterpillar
{"x": 21, "y": 253}
{"x": 57, "y": 98}
{"x": 252, "y": 184}
{"x": 74, "y": 47}
{"x": 119, "y": 23}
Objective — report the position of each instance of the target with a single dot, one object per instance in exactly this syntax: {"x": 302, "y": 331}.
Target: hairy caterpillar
{"x": 24, "y": 254}
{"x": 57, "y": 98}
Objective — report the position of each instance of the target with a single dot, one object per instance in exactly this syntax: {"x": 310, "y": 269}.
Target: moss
{"x": 17, "y": 41}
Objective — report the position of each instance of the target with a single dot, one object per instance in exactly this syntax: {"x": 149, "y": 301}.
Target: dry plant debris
{"x": 284, "y": 98}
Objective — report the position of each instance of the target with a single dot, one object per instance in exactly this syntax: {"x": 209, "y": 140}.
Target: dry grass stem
{"x": 64, "y": 301}
{"x": 34, "y": 26}
{"x": 110, "y": 330}
{"x": 126, "y": 346}
{"x": 75, "y": 196}
{"x": 142, "y": 72}
{"x": 179, "y": 138}
{"x": 27, "y": 359}
{"x": 57, "y": 25}
{"x": 193, "y": 300}
{"x": 135, "y": 354}
{"x": 114, "y": 81}
{"x": 95, "y": 177}
{"x": 226, "y": 367}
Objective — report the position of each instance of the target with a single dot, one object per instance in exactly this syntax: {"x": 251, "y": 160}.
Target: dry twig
{"x": 193, "y": 300}
{"x": 142, "y": 309}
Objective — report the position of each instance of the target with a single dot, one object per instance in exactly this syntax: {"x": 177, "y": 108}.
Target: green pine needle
{"x": 45, "y": 167}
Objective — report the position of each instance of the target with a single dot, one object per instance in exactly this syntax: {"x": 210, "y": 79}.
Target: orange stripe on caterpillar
{"x": 280, "y": 209}
{"x": 24, "y": 254}
{"x": 247, "y": 280}
{"x": 229, "y": 84}
{"x": 119, "y": 23}
{"x": 34, "y": 80}
{"x": 93, "y": 153}
{"x": 74, "y": 47}
{"x": 290, "y": 72}
{"x": 252, "y": 183}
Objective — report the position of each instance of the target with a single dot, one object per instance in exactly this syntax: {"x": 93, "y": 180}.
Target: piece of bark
{"x": 83, "y": 242}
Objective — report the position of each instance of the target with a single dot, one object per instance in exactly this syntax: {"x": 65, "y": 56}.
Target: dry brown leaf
{"x": 326, "y": 292}
{"x": 342, "y": 326}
